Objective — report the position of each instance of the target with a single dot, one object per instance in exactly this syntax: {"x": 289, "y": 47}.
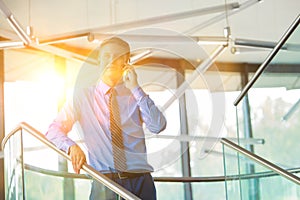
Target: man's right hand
{"x": 77, "y": 156}
{"x": 130, "y": 77}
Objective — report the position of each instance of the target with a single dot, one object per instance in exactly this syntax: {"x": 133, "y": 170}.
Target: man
{"x": 121, "y": 158}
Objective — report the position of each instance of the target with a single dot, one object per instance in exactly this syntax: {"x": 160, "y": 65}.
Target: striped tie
{"x": 116, "y": 133}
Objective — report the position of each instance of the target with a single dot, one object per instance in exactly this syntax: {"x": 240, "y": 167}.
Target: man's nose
{"x": 113, "y": 58}
{"x": 110, "y": 58}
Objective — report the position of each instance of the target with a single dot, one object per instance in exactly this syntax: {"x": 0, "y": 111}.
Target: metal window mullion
{"x": 185, "y": 158}
{"x": 253, "y": 189}
{"x": 22, "y": 164}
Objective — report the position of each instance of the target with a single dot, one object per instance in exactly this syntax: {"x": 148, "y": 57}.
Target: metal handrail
{"x": 169, "y": 179}
{"x": 87, "y": 168}
{"x": 261, "y": 161}
{"x": 263, "y": 66}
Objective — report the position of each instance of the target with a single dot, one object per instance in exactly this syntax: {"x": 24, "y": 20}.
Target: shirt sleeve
{"x": 60, "y": 127}
{"x": 153, "y": 118}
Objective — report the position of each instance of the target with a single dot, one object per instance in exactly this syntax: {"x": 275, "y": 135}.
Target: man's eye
{"x": 106, "y": 56}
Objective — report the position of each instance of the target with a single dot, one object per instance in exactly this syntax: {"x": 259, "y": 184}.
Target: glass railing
{"x": 13, "y": 170}
{"x": 269, "y": 181}
{"x": 36, "y": 169}
{"x": 33, "y": 172}
{"x": 43, "y": 174}
{"x": 274, "y": 109}
{"x": 269, "y": 108}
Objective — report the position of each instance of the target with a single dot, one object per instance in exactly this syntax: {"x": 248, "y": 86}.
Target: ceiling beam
{"x": 13, "y": 22}
{"x": 221, "y": 16}
{"x": 141, "y": 23}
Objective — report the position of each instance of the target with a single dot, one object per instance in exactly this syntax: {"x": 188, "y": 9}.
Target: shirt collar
{"x": 104, "y": 88}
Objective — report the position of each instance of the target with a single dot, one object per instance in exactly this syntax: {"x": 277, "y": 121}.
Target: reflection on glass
{"x": 268, "y": 185}
{"x": 37, "y": 174}
{"x": 13, "y": 169}
{"x": 274, "y": 117}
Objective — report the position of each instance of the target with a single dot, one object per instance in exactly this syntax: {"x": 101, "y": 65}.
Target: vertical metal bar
{"x": 60, "y": 70}
{"x": 2, "y": 187}
{"x": 225, "y": 174}
{"x": 185, "y": 159}
{"x": 238, "y": 154}
{"x": 253, "y": 189}
{"x": 68, "y": 183}
{"x": 22, "y": 165}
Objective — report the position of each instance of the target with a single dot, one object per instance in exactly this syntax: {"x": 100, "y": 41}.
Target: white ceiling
{"x": 263, "y": 21}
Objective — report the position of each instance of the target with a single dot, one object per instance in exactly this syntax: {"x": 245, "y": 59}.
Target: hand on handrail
{"x": 78, "y": 157}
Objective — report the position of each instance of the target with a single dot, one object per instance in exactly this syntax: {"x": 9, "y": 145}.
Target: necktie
{"x": 116, "y": 133}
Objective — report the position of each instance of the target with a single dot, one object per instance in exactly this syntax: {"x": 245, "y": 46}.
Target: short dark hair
{"x": 115, "y": 40}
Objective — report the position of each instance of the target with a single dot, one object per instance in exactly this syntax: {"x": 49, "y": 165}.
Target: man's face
{"x": 113, "y": 58}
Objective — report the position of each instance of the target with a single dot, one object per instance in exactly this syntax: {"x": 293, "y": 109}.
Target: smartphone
{"x": 125, "y": 71}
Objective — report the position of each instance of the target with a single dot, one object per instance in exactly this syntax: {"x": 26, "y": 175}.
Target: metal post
{"x": 253, "y": 189}
{"x": 2, "y": 188}
{"x": 185, "y": 159}
{"x": 68, "y": 183}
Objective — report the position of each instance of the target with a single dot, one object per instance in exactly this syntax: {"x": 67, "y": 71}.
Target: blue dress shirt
{"x": 90, "y": 108}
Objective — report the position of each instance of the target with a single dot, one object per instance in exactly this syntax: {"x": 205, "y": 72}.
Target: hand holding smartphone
{"x": 130, "y": 77}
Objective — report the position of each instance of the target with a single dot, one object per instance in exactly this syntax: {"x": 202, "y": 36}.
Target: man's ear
{"x": 128, "y": 60}
{"x": 99, "y": 62}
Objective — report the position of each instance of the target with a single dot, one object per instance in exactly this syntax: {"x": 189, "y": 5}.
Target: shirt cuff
{"x": 138, "y": 93}
{"x": 67, "y": 146}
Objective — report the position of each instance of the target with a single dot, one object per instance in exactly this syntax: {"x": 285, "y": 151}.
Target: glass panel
{"x": 207, "y": 190}
{"x": 40, "y": 185}
{"x": 231, "y": 168}
{"x": 13, "y": 169}
{"x": 169, "y": 191}
{"x": 44, "y": 177}
{"x": 212, "y": 163}
{"x": 263, "y": 184}
{"x": 275, "y": 110}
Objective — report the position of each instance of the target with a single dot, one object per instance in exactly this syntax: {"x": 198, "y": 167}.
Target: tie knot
{"x": 112, "y": 92}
